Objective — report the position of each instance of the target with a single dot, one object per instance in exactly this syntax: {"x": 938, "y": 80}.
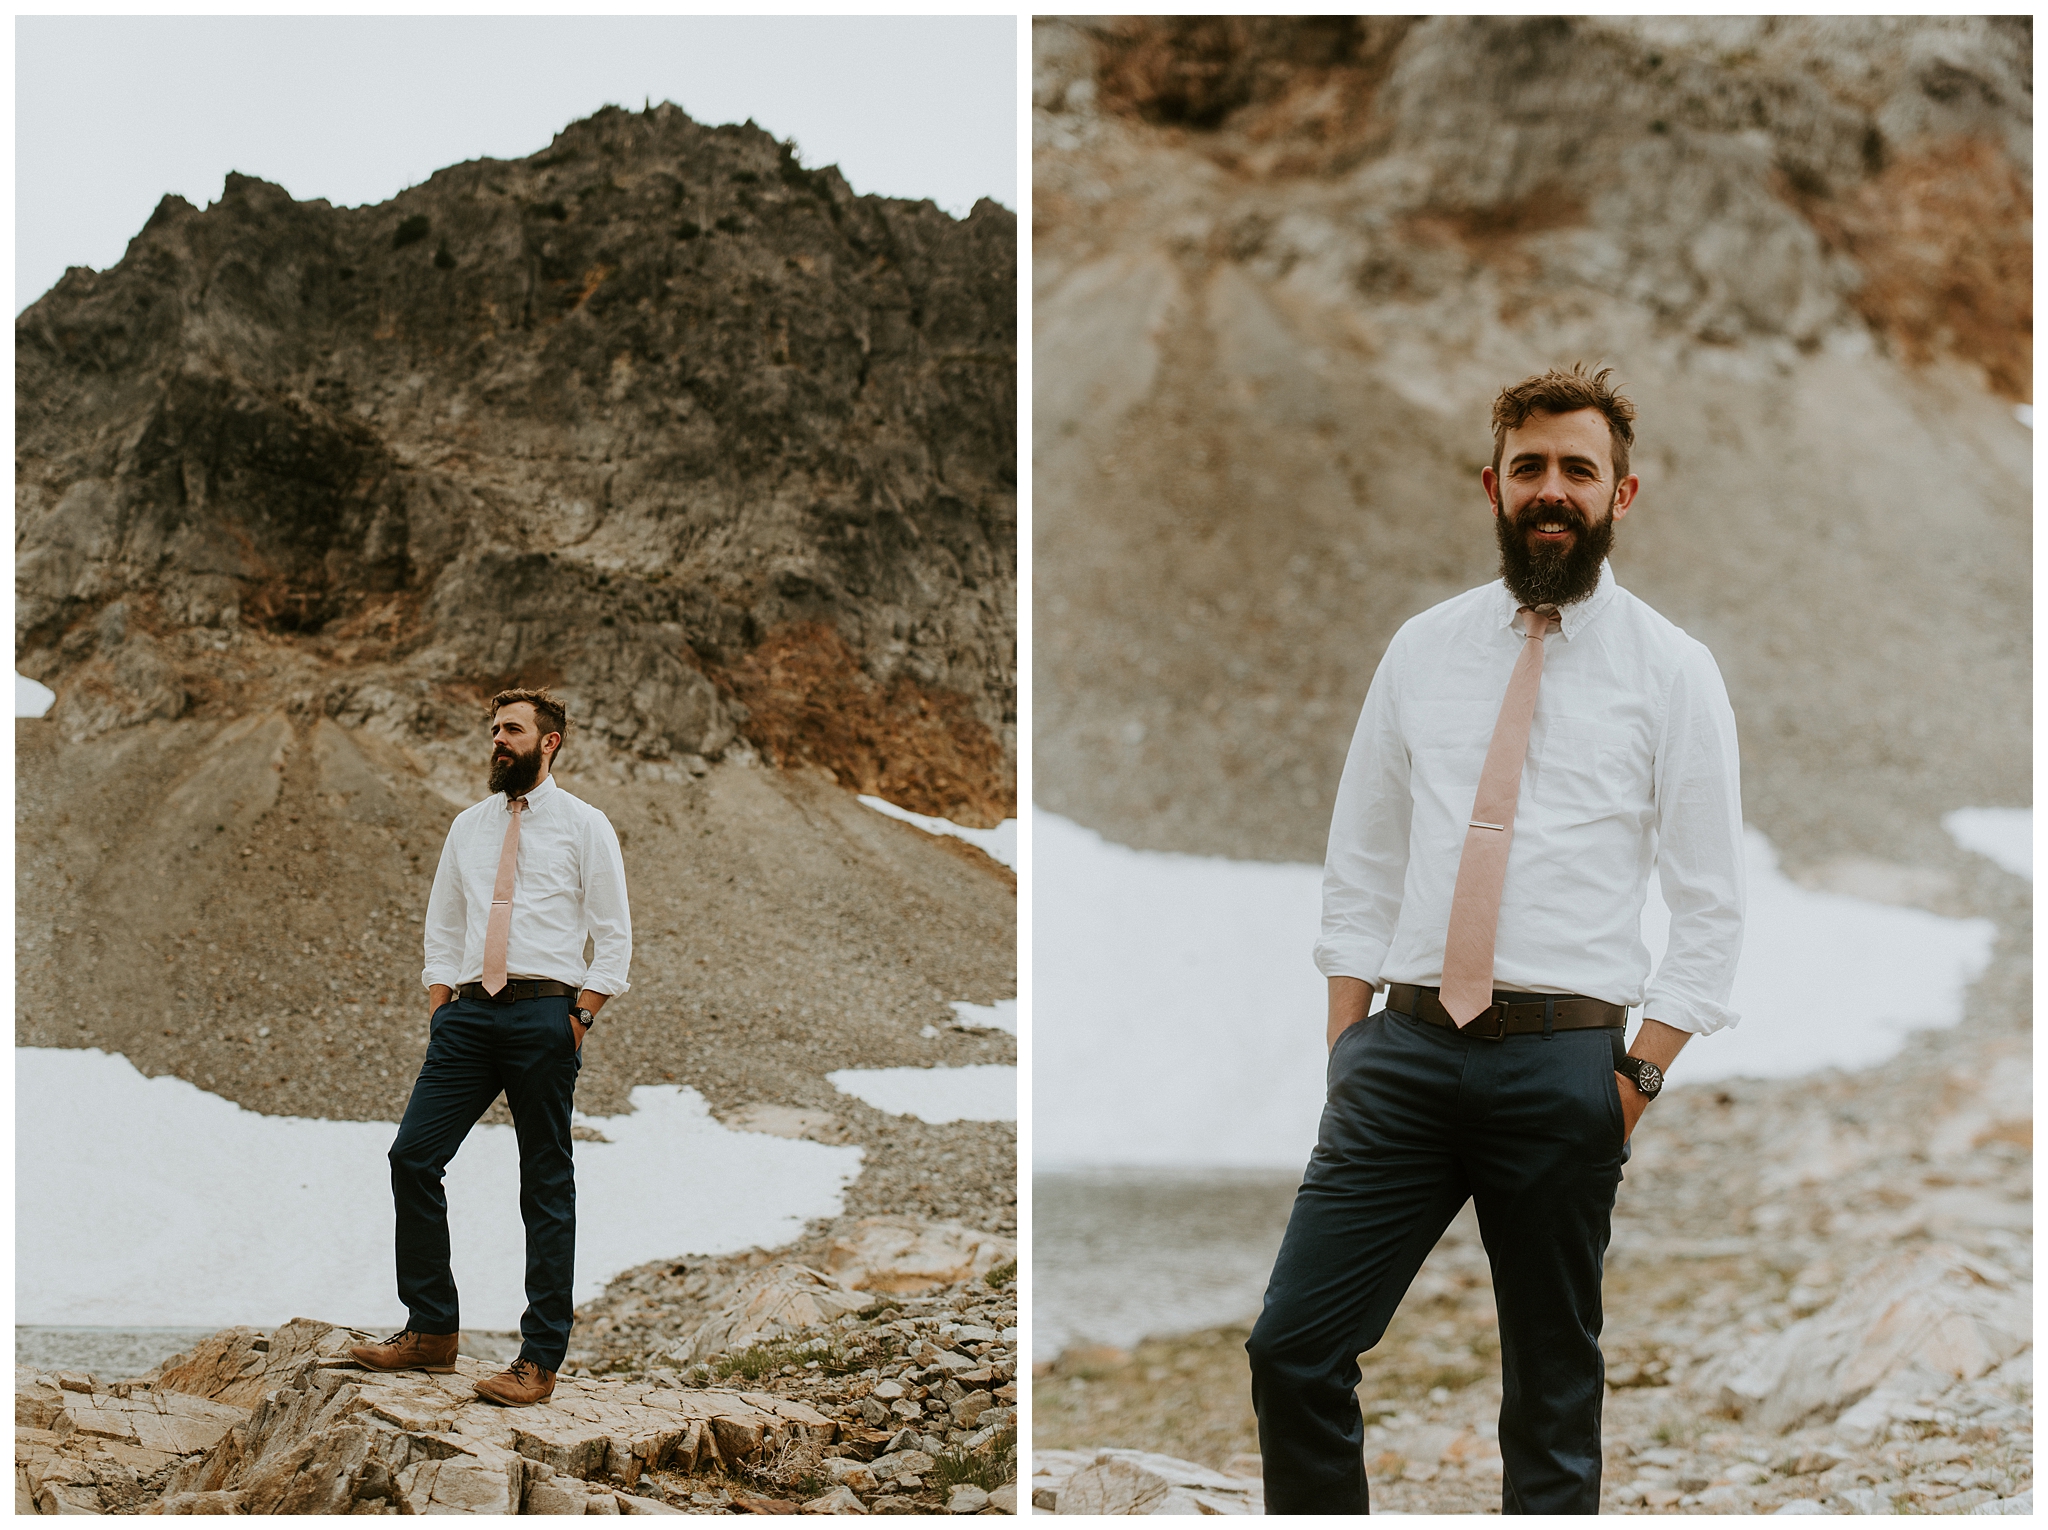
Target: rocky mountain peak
{"x": 659, "y": 416}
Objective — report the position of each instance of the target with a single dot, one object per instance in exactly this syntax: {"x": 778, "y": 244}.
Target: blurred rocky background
{"x": 1281, "y": 267}
{"x": 658, "y": 416}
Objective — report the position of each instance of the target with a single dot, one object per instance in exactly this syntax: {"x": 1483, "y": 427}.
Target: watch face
{"x": 1649, "y": 1078}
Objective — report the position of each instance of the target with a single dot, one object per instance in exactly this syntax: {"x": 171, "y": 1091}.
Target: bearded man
{"x": 525, "y": 876}
{"x": 1528, "y": 751}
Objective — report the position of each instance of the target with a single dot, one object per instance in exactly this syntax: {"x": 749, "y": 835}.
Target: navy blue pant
{"x": 1417, "y": 1119}
{"x": 527, "y": 1049}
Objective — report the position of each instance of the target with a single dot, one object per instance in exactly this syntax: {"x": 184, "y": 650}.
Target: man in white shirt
{"x": 525, "y": 876}
{"x": 1524, "y": 1103}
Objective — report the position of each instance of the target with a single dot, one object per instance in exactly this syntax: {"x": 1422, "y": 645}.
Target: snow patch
{"x": 31, "y": 697}
{"x": 999, "y": 1016}
{"x": 146, "y": 1202}
{"x": 2005, "y": 835}
{"x": 998, "y": 844}
{"x": 979, "y": 1092}
{"x": 1178, "y": 1016}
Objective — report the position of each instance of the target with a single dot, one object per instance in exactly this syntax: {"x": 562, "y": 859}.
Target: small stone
{"x": 966, "y": 1498}
{"x": 909, "y": 1463}
{"x": 1003, "y": 1499}
{"x": 633, "y": 1503}
{"x": 839, "y": 1501}
{"x": 971, "y": 1408}
{"x": 846, "y": 1472}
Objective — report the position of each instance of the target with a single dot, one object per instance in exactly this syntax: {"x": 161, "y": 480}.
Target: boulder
{"x": 1911, "y": 1321}
{"x": 784, "y": 1299}
{"x": 904, "y": 1256}
{"x": 1139, "y": 1482}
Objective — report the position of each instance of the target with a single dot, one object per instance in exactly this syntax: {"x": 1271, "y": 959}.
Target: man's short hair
{"x": 1558, "y": 392}
{"x": 547, "y": 710}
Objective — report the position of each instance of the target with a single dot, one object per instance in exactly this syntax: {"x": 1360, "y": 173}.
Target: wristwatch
{"x": 587, "y": 1017}
{"x": 1648, "y": 1077}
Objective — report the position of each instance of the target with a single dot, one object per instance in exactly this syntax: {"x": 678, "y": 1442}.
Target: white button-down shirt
{"x": 570, "y": 882}
{"x": 1632, "y": 764}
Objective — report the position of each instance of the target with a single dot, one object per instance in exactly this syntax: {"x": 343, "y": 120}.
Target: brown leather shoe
{"x": 409, "y": 1351}
{"x": 520, "y": 1383}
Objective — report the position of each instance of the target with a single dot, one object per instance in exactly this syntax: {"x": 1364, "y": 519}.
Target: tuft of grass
{"x": 411, "y": 231}
{"x": 758, "y": 1360}
{"x": 988, "y": 1468}
{"x": 687, "y": 230}
{"x": 443, "y": 260}
{"x": 1002, "y": 1275}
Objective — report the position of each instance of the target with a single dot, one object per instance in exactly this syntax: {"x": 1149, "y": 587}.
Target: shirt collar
{"x": 1571, "y": 618}
{"x": 536, "y": 796}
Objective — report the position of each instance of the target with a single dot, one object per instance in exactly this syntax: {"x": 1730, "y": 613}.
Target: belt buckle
{"x": 1497, "y": 1012}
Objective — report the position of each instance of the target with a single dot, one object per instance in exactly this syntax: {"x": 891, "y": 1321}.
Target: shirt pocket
{"x": 1584, "y": 763}
{"x": 553, "y": 871}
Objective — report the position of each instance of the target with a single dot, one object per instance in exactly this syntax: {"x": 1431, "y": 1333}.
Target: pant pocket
{"x": 1348, "y": 1041}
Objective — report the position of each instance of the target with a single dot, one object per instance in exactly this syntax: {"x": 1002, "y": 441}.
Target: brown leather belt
{"x": 1511, "y": 1014}
{"x": 516, "y": 989}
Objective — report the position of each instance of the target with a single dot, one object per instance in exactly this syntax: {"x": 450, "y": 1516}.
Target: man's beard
{"x": 1546, "y": 576}
{"x": 515, "y": 777}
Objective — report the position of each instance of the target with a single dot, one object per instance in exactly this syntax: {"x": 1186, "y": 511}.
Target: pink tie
{"x": 498, "y": 933}
{"x": 1475, "y": 899}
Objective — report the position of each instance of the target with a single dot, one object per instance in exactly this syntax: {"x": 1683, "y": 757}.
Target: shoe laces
{"x": 401, "y": 1336}
{"x": 519, "y": 1369}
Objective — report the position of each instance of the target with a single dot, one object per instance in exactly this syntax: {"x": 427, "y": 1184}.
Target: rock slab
{"x": 328, "y": 1437}
{"x": 1137, "y": 1482}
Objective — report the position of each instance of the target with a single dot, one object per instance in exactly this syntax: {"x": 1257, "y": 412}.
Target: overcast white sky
{"x": 111, "y": 113}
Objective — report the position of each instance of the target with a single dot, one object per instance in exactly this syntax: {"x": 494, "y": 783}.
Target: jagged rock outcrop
{"x": 861, "y": 1402}
{"x": 657, "y": 415}
{"x": 327, "y": 1437}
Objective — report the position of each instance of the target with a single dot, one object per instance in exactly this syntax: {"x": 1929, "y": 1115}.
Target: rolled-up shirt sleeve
{"x": 1367, "y": 858}
{"x": 1698, "y": 787}
{"x": 447, "y": 919}
{"x": 606, "y": 918}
